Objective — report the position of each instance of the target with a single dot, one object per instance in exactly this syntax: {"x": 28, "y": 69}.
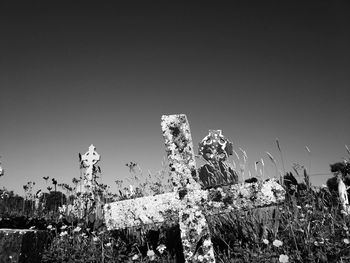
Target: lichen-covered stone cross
{"x": 193, "y": 225}
{"x": 189, "y": 204}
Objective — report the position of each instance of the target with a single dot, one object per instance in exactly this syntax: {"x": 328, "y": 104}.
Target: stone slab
{"x": 165, "y": 207}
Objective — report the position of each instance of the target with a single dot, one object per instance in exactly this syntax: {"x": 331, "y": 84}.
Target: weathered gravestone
{"x": 189, "y": 204}
{"x": 215, "y": 149}
{"x": 88, "y": 205}
{"x": 88, "y": 161}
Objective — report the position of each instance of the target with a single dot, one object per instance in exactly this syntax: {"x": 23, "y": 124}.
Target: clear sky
{"x": 74, "y": 74}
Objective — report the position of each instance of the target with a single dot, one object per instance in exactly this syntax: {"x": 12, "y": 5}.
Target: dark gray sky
{"x": 74, "y": 74}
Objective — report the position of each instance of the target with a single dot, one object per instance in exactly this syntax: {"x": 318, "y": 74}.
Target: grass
{"x": 307, "y": 227}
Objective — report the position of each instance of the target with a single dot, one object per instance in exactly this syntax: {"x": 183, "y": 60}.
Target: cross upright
{"x": 89, "y": 159}
{"x": 189, "y": 204}
{"x": 192, "y": 222}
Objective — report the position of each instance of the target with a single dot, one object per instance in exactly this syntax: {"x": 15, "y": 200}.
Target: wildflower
{"x": 95, "y": 239}
{"x": 283, "y": 258}
{"x": 298, "y": 206}
{"x": 265, "y": 241}
{"x": 277, "y": 243}
{"x": 200, "y": 258}
{"x": 77, "y": 229}
{"x": 63, "y": 227}
{"x": 206, "y": 243}
{"x": 135, "y": 257}
{"x": 151, "y": 254}
{"x": 50, "y": 227}
{"x": 64, "y": 233}
{"x": 346, "y": 241}
{"x": 161, "y": 248}
{"x": 32, "y": 227}
{"x": 108, "y": 244}
{"x": 62, "y": 209}
{"x": 345, "y": 228}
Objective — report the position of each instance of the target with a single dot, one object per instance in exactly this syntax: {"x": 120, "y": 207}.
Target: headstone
{"x": 215, "y": 149}
{"x": 87, "y": 205}
{"x": 189, "y": 204}
{"x": 88, "y": 160}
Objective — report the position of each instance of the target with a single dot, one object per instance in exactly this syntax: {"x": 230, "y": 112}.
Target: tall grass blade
{"x": 275, "y": 164}
{"x": 281, "y": 155}
{"x": 236, "y": 154}
{"x": 308, "y": 150}
{"x": 347, "y": 149}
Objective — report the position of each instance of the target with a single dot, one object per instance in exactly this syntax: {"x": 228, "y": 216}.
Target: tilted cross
{"x": 188, "y": 203}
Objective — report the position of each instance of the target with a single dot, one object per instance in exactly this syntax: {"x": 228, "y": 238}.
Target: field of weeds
{"x": 310, "y": 226}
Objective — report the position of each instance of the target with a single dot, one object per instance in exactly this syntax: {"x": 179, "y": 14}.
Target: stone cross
{"x": 89, "y": 159}
{"x": 189, "y": 204}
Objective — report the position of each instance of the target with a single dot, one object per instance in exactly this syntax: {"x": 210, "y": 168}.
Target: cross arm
{"x": 164, "y": 208}
{"x": 243, "y": 197}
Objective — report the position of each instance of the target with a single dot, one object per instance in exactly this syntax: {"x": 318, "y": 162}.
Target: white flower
{"x": 283, "y": 258}
{"x": 151, "y": 254}
{"x": 265, "y": 241}
{"x": 64, "y": 233}
{"x": 207, "y": 243}
{"x": 277, "y": 243}
{"x": 161, "y": 248}
{"x": 49, "y": 227}
{"x": 32, "y": 227}
{"x": 62, "y": 209}
{"x": 77, "y": 229}
{"x": 200, "y": 258}
{"x": 346, "y": 241}
{"x": 108, "y": 244}
{"x": 131, "y": 189}
{"x": 135, "y": 257}
{"x": 298, "y": 206}
{"x": 63, "y": 227}
{"x": 95, "y": 239}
